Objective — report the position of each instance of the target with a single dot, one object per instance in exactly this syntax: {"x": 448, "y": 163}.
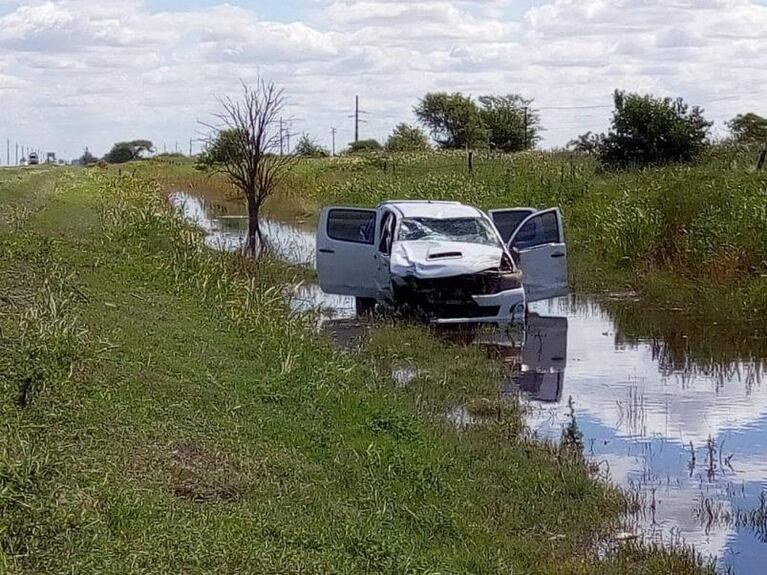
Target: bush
{"x": 649, "y": 131}
{"x": 309, "y": 148}
{"x": 364, "y": 147}
{"x": 406, "y": 138}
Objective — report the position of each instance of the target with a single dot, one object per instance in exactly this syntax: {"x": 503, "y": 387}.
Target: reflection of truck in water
{"x": 33, "y": 159}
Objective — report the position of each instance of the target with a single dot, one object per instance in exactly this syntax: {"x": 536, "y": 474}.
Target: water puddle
{"x": 403, "y": 375}
{"x": 225, "y": 226}
{"x": 673, "y": 411}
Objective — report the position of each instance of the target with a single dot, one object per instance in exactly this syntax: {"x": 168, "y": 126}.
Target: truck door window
{"x": 507, "y": 223}
{"x": 357, "y": 226}
{"x": 387, "y": 234}
{"x": 538, "y": 231}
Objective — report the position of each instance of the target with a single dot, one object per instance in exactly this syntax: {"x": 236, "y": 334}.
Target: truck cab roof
{"x": 431, "y": 209}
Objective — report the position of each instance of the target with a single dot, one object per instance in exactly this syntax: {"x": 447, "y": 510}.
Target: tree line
{"x": 645, "y": 130}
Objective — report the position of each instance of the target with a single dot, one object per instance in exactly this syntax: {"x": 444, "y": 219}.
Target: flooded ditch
{"x": 671, "y": 410}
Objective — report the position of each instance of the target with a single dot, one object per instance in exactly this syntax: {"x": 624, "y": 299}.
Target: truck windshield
{"x": 469, "y": 230}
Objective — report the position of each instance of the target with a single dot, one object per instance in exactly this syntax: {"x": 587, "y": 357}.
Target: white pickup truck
{"x": 453, "y": 261}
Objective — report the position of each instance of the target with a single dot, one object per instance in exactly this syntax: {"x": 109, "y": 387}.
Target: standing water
{"x": 669, "y": 410}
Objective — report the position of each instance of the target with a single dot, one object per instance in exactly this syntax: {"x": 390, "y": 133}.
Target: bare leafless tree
{"x": 245, "y": 144}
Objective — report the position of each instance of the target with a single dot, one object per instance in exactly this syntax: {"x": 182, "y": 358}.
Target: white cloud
{"x": 80, "y": 72}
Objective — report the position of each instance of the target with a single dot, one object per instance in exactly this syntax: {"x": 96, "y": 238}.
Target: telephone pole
{"x": 282, "y": 146}
{"x": 333, "y": 133}
{"x": 525, "y": 148}
{"x": 190, "y": 147}
{"x": 357, "y": 119}
{"x": 287, "y": 136}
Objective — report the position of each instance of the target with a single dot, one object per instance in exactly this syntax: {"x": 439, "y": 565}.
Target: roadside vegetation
{"x": 164, "y": 411}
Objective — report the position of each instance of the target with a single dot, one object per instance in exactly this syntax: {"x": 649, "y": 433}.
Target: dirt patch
{"x": 203, "y": 475}
{"x": 203, "y": 494}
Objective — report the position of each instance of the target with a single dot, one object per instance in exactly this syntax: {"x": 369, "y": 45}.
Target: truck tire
{"x": 364, "y": 306}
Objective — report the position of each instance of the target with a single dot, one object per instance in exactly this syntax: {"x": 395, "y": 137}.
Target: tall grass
{"x": 136, "y": 213}
{"x": 42, "y": 344}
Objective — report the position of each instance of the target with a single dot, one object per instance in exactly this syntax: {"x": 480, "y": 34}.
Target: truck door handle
{"x": 326, "y": 251}
{"x": 558, "y": 255}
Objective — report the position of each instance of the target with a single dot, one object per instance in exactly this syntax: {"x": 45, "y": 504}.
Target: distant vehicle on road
{"x": 33, "y": 159}
{"x": 50, "y": 158}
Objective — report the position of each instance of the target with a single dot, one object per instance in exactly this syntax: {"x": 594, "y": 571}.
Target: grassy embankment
{"x": 162, "y": 411}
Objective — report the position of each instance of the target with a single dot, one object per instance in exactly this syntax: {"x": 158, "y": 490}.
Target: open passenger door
{"x": 540, "y": 243}
{"x": 346, "y": 250}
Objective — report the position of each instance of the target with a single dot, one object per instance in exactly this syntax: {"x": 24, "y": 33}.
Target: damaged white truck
{"x": 448, "y": 260}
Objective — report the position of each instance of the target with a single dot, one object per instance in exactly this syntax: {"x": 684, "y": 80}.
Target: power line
{"x": 591, "y": 107}
{"x": 605, "y": 106}
{"x": 735, "y": 97}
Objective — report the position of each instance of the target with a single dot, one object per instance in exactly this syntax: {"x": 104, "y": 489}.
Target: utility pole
{"x": 525, "y": 128}
{"x": 356, "y": 118}
{"x": 8, "y": 151}
{"x": 17, "y": 153}
{"x": 190, "y": 147}
{"x": 333, "y": 132}
{"x": 287, "y": 135}
{"x": 282, "y": 146}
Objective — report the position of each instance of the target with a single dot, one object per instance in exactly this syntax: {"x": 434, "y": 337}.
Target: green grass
{"x": 163, "y": 412}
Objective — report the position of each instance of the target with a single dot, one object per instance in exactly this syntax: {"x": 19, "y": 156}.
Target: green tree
{"x": 123, "y": 152}
{"x": 309, "y": 148}
{"x": 407, "y": 138}
{"x": 364, "y": 146}
{"x": 452, "y": 119}
{"x": 648, "y": 131}
{"x": 588, "y": 143}
{"x": 748, "y": 129}
{"x": 511, "y": 123}
{"x": 227, "y": 145}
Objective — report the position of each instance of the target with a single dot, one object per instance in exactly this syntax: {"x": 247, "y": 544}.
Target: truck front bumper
{"x": 506, "y": 307}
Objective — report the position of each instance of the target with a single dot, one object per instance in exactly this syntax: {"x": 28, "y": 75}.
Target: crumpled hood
{"x": 435, "y": 259}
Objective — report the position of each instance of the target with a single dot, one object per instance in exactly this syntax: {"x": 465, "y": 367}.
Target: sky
{"x": 77, "y": 73}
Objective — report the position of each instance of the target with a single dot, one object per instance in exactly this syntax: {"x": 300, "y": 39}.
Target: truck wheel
{"x": 364, "y": 305}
